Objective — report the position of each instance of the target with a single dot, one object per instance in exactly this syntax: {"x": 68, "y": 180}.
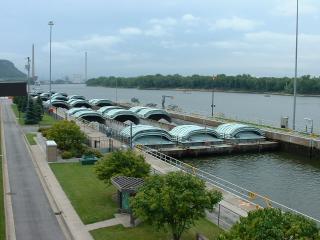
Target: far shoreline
{"x": 215, "y": 90}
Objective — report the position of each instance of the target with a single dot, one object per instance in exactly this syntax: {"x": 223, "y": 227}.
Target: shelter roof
{"x": 127, "y": 184}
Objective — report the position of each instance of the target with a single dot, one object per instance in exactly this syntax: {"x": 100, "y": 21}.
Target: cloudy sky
{"x": 136, "y": 37}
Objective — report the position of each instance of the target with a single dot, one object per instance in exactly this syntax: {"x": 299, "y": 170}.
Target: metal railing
{"x": 244, "y": 194}
{"x": 263, "y": 123}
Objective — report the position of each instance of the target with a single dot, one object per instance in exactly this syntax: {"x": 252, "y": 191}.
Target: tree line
{"x": 305, "y": 84}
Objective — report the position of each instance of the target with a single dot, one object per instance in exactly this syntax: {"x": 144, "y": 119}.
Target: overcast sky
{"x": 137, "y": 37}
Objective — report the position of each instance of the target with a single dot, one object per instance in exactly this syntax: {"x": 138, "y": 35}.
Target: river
{"x": 242, "y": 106}
{"x": 285, "y": 178}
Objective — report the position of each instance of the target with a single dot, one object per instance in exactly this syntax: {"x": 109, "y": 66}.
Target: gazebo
{"x": 127, "y": 187}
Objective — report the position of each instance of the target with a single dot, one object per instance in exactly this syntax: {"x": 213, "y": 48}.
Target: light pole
{"x": 116, "y": 90}
{"x": 295, "y": 71}
{"x": 212, "y": 97}
{"x": 85, "y": 66}
{"x": 28, "y": 78}
{"x": 50, "y": 25}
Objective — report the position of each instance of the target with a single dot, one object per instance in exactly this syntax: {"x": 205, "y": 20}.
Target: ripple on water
{"x": 285, "y": 178}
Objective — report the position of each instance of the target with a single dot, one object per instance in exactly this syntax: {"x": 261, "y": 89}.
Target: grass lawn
{"x": 91, "y": 198}
{"x": 30, "y": 138}
{"x": 46, "y": 120}
{"x": 144, "y": 231}
{"x": 2, "y": 218}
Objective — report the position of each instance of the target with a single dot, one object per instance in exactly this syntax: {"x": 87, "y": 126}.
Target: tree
{"x": 272, "y": 224}
{"x": 30, "y": 117}
{"x": 21, "y": 102}
{"x": 38, "y": 111}
{"x": 121, "y": 163}
{"x": 174, "y": 201}
{"x": 67, "y": 135}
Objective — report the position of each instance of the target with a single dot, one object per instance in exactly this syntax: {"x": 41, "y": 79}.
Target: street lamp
{"x": 50, "y": 25}
{"x": 295, "y": 71}
{"x": 28, "y": 79}
{"x": 212, "y": 97}
{"x": 116, "y": 90}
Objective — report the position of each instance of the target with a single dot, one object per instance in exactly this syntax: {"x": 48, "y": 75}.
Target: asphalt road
{"x": 33, "y": 216}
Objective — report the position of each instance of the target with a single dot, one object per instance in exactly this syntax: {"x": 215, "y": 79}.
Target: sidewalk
{"x": 71, "y": 219}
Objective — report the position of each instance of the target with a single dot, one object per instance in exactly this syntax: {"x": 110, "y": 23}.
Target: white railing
{"x": 242, "y": 193}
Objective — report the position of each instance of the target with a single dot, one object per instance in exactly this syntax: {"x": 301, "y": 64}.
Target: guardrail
{"x": 227, "y": 186}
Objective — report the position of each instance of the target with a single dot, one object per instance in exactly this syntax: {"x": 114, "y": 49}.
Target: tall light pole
{"x": 295, "y": 71}
{"x": 116, "y": 90}
{"x": 28, "y": 79}
{"x": 50, "y": 25}
{"x": 212, "y": 97}
{"x": 85, "y": 66}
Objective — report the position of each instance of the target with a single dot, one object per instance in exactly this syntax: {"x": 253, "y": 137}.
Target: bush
{"x": 122, "y": 163}
{"x": 93, "y": 152}
{"x": 67, "y": 135}
{"x": 67, "y": 155}
{"x": 44, "y": 131}
{"x": 273, "y": 224}
{"x": 78, "y": 152}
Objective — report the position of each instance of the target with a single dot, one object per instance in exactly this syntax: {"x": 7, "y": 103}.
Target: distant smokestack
{"x": 85, "y": 66}
{"x": 33, "y": 73}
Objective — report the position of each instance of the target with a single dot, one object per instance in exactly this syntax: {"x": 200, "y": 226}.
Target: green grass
{"x": 16, "y": 112}
{"x": 144, "y": 231}
{"x": 91, "y": 198}
{"x": 30, "y": 138}
{"x": 2, "y": 217}
{"x": 46, "y": 120}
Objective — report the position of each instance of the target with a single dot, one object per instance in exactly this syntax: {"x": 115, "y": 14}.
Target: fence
{"x": 224, "y": 185}
{"x": 300, "y": 128}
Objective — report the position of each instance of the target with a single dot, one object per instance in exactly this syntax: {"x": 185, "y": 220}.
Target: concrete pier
{"x": 195, "y": 151}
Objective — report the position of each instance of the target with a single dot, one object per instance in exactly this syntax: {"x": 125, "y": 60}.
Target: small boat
{"x": 267, "y": 95}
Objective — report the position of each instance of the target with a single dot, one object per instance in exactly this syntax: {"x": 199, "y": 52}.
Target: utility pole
{"x": 295, "y": 71}
{"x": 85, "y": 66}
{"x": 50, "y": 25}
{"x": 116, "y": 90}
{"x": 212, "y": 97}
{"x": 28, "y": 78}
{"x": 32, "y": 64}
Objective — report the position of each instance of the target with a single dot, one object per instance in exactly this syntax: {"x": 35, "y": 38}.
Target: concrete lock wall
{"x": 52, "y": 151}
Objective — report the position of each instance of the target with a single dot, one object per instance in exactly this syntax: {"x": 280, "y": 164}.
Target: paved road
{"x": 33, "y": 216}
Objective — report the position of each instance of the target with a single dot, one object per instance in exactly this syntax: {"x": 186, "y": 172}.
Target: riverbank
{"x": 186, "y": 90}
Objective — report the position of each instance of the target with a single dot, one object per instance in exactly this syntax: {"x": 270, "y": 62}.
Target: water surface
{"x": 291, "y": 180}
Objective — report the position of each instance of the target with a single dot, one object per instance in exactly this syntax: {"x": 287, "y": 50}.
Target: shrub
{"x": 125, "y": 163}
{"x": 44, "y": 131}
{"x": 273, "y": 224}
{"x": 93, "y": 152}
{"x": 66, "y": 155}
{"x": 67, "y": 135}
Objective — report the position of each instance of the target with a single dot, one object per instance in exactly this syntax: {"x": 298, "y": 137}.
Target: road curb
{"x": 10, "y": 227}
{"x": 54, "y": 205}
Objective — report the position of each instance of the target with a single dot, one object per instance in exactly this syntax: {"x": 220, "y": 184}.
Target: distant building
{"x": 77, "y": 78}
